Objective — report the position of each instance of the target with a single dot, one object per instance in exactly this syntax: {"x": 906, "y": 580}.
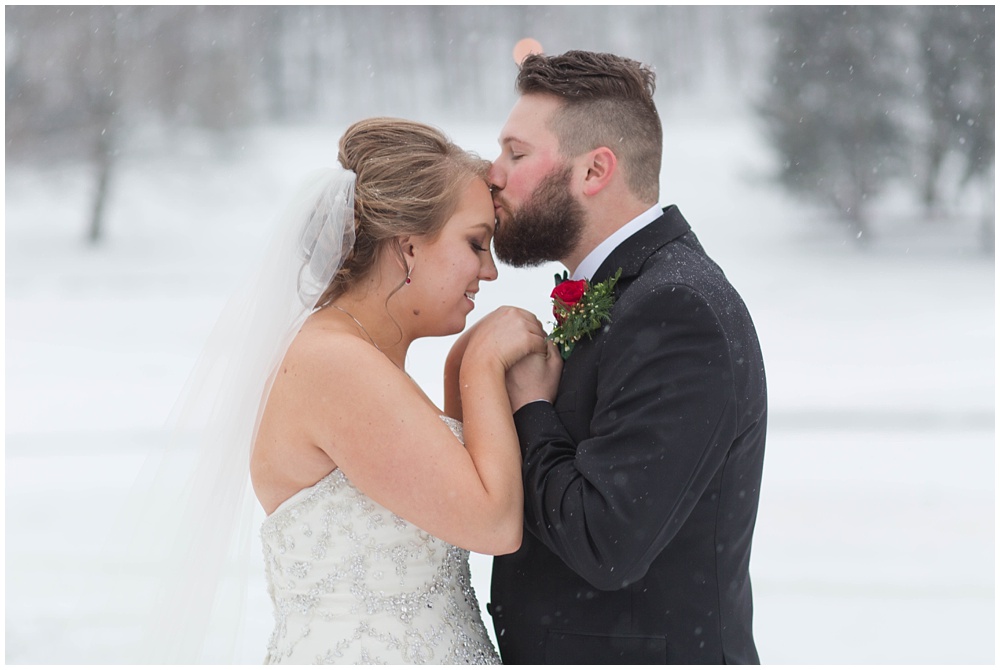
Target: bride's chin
{"x": 444, "y": 329}
{"x": 445, "y": 324}
{"x": 458, "y": 327}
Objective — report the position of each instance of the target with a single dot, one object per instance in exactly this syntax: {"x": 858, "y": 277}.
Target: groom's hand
{"x": 534, "y": 377}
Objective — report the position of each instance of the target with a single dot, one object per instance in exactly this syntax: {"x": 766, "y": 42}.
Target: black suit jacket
{"x": 642, "y": 480}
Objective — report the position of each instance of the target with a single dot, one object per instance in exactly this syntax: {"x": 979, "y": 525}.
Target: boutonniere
{"x": 580, "y": 308}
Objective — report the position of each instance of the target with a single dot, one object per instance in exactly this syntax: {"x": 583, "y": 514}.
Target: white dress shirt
{"x": 589, "y": 265}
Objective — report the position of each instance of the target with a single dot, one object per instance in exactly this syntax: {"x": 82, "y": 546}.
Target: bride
{"x": 367, "y": 486}
{"x": 374, "y": 496}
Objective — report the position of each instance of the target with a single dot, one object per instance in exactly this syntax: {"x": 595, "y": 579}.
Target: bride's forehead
{"x": 475, "y": 199}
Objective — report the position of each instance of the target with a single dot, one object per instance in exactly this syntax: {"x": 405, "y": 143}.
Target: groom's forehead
{"x": 528, "y": 121}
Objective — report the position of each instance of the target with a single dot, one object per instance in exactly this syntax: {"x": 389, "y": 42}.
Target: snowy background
{"x": 875, "y": 536}
{"x": 875, "y": 540}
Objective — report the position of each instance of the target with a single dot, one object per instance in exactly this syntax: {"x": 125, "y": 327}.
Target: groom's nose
{"x": 496, "y": 178}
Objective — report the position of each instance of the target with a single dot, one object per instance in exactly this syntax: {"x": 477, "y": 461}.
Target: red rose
{"x": 568, "y": 293}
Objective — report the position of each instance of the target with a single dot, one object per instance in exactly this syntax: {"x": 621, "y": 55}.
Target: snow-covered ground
{"x": 875, "y": 539}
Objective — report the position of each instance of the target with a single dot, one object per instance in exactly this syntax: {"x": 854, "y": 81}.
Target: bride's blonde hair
{"x": 410, "y": 178}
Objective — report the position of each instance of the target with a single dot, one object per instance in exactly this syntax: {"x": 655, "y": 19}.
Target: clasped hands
{"x": 516, "y": 339}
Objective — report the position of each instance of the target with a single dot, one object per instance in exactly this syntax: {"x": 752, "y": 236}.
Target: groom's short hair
{"x": 607, "y": 101}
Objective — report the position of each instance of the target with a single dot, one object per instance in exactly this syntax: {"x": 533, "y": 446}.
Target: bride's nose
{"x": 488, "y": 270}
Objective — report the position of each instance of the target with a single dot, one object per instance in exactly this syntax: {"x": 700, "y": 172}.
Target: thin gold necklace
{"x": 363, "y": 329}
{"x": 370, "y": 338}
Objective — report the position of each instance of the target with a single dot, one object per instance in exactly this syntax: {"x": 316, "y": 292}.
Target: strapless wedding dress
{"x": 351, "y": 582}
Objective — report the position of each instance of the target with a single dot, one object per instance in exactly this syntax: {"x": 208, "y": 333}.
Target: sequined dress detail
{"x": 351, "y": 582}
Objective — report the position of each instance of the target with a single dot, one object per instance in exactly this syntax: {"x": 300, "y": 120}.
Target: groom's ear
{"x": 601, "y": 164}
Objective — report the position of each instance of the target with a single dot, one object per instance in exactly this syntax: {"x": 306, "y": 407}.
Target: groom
{"x": 642, "y": 479}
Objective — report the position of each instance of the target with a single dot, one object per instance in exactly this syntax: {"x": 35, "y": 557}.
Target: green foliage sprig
{"x": 580, "y": 308}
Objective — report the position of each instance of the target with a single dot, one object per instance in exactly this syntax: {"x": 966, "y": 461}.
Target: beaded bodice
{"x": 351, "y": 582}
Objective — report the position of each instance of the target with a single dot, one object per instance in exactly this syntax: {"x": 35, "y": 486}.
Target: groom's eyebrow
{"x": 507, "y": 139}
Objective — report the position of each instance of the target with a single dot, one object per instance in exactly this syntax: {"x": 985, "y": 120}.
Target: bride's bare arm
{"x": 452, "y": 367}
{"x": 377, "y": 427}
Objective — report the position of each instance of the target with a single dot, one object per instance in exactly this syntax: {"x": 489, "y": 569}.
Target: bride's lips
{"x": 470, "y": 296}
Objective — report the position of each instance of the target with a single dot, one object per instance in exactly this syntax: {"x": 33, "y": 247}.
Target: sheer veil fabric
{"x": 186, "y": 540}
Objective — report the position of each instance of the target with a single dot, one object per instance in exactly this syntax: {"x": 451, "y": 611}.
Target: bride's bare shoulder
{"x": 325, "y": 347}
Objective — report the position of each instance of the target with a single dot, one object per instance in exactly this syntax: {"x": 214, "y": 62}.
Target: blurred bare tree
{"x": 107, "y": 59}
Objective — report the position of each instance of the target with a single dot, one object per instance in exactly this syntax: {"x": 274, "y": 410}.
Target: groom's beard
{"x": 547, "y": 227}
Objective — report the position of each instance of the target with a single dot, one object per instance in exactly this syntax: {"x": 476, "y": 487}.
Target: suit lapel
{"x": 631, "y": 254}
{"x": 580, "y": 374}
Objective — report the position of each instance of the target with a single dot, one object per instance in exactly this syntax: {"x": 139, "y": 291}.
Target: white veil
{"x": 191, "y": 512}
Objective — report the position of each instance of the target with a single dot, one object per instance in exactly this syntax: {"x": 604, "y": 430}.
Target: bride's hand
{"x": 506, "y": 335}
{"x": 457, "y": 351}
{"x": 498, "y": 341}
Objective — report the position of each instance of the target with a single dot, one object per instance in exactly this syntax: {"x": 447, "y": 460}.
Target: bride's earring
{"x": 406, "y": 264}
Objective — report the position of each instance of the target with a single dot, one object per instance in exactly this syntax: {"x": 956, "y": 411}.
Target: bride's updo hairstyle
{"x": 410, "y": 179}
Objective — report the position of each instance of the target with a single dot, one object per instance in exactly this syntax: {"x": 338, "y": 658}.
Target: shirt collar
{"x": 589, "y": 265}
